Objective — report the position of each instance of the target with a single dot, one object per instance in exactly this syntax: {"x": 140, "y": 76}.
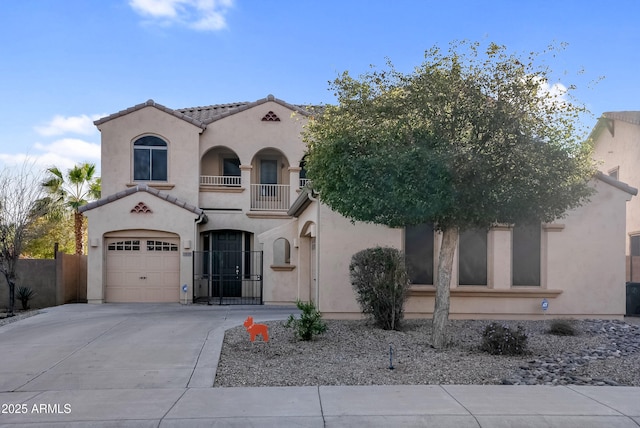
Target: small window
{"x": 150, "y": 159}
{"x": 161, "y": 246}
{"x": 613, "y": 173}
{"x": 124, "y": 246}
{"x": 281, "y": 252}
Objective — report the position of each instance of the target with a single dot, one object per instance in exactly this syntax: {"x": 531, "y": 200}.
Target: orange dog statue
{"x": 256, "y": 329}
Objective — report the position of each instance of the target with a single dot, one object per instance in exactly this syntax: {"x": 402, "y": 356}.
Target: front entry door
{"x": 227, "y": 263}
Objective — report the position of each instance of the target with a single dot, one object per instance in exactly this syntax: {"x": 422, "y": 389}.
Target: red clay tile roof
{"x": 142, "y": 188}
{"x": 212, "y": 113}
{"x": 151, "y": 103}
{"x": 202, "y": 116}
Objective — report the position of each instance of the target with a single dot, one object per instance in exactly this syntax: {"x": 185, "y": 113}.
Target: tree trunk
{"x": 77, "y": 224}
{"x": 12, "y": 294}
{"x": 443, "y": 285}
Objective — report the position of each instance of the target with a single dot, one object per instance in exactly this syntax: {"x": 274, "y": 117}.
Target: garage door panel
{"x": 143, "y": 270}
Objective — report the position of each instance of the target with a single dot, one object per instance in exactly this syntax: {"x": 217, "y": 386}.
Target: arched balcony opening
{"x": 220, "y": 167}
{"x": 270, "y": 188}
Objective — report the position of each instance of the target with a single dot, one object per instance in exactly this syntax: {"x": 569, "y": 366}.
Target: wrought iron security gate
{"x": 227, "y": 277}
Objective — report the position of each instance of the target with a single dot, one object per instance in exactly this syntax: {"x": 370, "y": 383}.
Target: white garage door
{"x": 143, "y": 270}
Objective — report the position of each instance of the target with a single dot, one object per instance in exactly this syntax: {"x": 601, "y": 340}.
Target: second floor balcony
{"x": 267, "y": 184}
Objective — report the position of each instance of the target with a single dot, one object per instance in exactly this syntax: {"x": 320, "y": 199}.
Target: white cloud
{"x": 203, "y": 15}
{"x": 64, "y": 154}
{"x": 73, "y": 124}
{"x": 72, "y": 148}
{"x": 551, "y": 94}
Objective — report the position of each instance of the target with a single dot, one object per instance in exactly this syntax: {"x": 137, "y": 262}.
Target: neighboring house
{"x": 616, "y": 140}
{"x": 209, "y": 204}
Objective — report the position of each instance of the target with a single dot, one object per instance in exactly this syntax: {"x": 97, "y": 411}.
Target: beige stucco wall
{"x": 621, "y": 149}
{"x": 118, "y": 136}
{"x": 279, "y": 278}
{"x": 246, "y": 134}
{"x": 193, "y": 151}
{"x": 582, "y": 265}
{"x": 117, "y": 218}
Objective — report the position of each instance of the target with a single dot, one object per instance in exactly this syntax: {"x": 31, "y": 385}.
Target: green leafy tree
{"x": 70, "y": 192}
{"x": 470, "y": 138}
{"x": 20, "y": 208}
{"x": 52, "y": 229}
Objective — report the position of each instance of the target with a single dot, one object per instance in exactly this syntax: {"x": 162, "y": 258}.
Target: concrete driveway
{"x": 119, "y": 346}
{"x": 146, "y": 365}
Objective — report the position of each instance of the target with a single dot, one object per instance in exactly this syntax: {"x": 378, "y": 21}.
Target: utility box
{"x": 633, "y": 299}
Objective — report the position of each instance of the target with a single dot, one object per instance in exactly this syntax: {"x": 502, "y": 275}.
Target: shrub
{"x": 498, "y": 339}
{"x": 562, "y": 328}
{"x": 379, "y": 278}
{"x": 24, "y": 294}
{"x": 310, "y": 322}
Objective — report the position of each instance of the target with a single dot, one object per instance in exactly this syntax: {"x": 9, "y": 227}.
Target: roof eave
{"x": 142, "y": 188}
{"x": 269, "y": 98}
{"x": 616, "y": 183}
{"x": 151, "y": 103}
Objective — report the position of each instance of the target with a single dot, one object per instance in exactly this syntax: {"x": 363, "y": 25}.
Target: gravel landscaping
{"x": 357, "y": 353}
{"x": 19, "y": 315}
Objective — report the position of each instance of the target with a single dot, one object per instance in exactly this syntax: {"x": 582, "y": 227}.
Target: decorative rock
{"x": 623, "y": 340}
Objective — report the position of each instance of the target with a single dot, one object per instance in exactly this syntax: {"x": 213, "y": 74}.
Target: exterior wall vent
{"x": 271, "y": 117}
{"x": 141, "y": 208}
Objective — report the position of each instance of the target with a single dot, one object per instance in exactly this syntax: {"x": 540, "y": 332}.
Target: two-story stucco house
{"x": 209, "y": 204}
{"x": 616, "y": 140}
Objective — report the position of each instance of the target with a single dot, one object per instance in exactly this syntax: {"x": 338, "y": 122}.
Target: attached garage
{"x": 140, "y": 247}
{"x": 142, "y": 269}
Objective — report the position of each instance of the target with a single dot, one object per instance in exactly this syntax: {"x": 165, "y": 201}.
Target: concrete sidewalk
{"x": 154, "y": 365}
{"x": 330, "y": 406}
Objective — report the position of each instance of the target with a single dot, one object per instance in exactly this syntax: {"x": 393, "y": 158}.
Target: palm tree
{"x": 73, "y": 191}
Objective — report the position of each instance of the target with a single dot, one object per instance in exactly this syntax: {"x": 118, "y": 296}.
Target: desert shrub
{"x": 310, "y": 322}
{"x": 560, "y": 327}
{"x": 24, "y": 294}
{"x": 379, "y": 278}
{"x": 499, "y": 339}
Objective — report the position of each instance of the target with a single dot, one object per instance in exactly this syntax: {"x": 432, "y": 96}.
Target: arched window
{"x": 150, "y": 159}
{"x": 281, "y": 252}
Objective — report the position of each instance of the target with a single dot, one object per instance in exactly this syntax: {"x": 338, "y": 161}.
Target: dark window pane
{"x": 472, "y": 256}
{"x": 303, "y": 171}
{"x": 159, "y": 165}
{"x": 526, "y": 255}
{"x": 150, "y": 140}
{"x": 231, "y": 167}
{"x": 141, "y": 164}
{"x": 635, "y": 245}
{"x": 418, "y": 249}
{"x": 269, "y": 171}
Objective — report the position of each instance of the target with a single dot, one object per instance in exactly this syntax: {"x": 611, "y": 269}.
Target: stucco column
{"x": 294, "y": 183}
{"x": 499, "y": 258}
{"x": 245, "y": 178}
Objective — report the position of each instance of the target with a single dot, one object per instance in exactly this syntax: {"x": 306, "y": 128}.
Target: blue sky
{"x": 65, "y": 63}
